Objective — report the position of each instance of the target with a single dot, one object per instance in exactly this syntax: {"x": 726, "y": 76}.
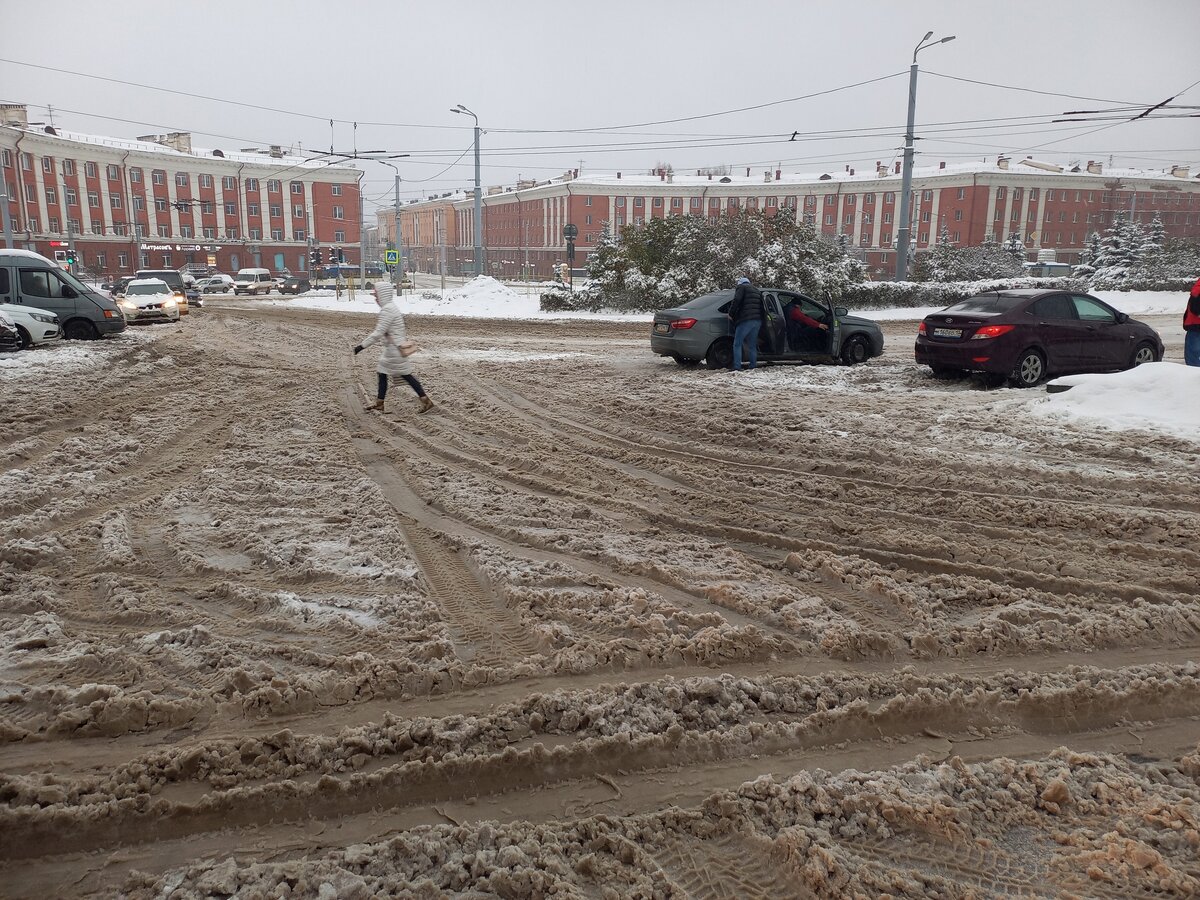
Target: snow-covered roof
{"x": 25, "y": 254}
{"x": 152, "y": 147}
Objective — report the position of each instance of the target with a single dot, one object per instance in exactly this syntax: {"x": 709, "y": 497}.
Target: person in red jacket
{"x": 796, "y": 318}
{"x": 1191, "y": 327}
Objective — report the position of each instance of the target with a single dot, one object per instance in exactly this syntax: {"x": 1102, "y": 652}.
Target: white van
{"x": 253, "y": 281}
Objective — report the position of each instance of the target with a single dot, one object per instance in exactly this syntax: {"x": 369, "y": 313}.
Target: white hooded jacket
{"x": 389, "y": 328}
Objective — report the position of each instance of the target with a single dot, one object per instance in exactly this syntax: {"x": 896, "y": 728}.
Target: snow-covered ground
{"x": 1162, "y": 396}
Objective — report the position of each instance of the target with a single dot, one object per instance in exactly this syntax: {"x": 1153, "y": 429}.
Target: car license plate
{"x": 661, "y": 327}
{"x": 947, "y": 332}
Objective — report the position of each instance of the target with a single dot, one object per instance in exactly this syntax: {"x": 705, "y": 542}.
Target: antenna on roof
{"x": 50, "y": 113}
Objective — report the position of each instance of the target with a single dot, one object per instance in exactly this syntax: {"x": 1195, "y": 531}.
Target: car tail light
{"x": 921, "y": 328}
{"x": 991, "y": 331}
{"x": 683, "y": 324}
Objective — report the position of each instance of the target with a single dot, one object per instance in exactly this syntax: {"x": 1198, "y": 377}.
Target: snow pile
{"x": 484, "y": 291}
{"x": 1159, "y": 396}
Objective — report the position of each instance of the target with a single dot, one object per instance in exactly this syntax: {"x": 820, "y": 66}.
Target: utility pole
{"x": 478, "y": 193}
{"x": 8, "y": 238}
{"x": 905, "y": 233}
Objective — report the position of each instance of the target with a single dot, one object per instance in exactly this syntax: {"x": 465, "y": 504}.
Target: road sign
{"x": 570, "y": 231}
{"x": 391, "y": 257}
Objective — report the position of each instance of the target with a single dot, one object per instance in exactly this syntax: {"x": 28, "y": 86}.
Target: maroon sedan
{"x": 1026, "y": 335}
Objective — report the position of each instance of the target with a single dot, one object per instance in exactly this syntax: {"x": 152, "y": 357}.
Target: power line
{"x": 1010, "y": 87}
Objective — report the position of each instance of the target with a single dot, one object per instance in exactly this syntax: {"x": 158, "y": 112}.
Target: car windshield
{"x": 137, "y": 289}
{"x": 985, "y": 303}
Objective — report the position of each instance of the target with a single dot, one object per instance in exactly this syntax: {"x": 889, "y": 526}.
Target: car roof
{"x": 1024, "y": 293}
{"x": 144, "y": 281}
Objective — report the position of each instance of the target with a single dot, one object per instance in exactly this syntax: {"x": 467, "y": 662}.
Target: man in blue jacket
{"x": 747, "y": 313}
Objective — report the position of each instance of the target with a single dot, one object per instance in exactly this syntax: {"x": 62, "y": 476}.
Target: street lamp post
{"x": 478, "y": 193}
{"x": 398, "y": 276}
{"x": 904, "y": 234}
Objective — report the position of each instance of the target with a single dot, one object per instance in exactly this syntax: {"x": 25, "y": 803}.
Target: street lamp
{"x": 462, "y": 110}
{"x": 906, "y": 181}
{"x": 396, "y": 207}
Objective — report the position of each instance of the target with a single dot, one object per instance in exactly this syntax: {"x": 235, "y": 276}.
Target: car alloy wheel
{"x": 79, "y": 330}
{"x": 855, "y": 351}
{"x": 720, "y": 354}
{"x": 1029, "y": 370}
{"x": 26, "y": 340}
{"x": 1143, "y": 354}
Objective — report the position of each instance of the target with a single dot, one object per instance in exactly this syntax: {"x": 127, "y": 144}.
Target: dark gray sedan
{"x": 701, "y": 330}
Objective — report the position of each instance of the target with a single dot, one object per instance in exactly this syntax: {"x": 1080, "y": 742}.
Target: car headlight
{"x": 49, "y": 320}
{"x": 128, "y": 304}
{"x": 170, "y": 301}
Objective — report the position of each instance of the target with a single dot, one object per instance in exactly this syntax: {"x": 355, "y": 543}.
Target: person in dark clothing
{"x": 747, "y": 312}
{"x": 1191, "y": 327}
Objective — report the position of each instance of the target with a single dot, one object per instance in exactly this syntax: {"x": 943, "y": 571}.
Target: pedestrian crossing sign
{"x": 391, "y": 257}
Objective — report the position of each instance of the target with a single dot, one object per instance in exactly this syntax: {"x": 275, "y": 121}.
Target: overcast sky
{"x": 558, "y": 68}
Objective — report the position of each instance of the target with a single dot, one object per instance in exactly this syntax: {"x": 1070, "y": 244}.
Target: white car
{"x": 215, "y": 284}
{"x": 149, "y": 300}
{"x": 34, "y": 326}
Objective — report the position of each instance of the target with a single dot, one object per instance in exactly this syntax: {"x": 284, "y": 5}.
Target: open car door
{"x": 772, "y": 338}
{"x": 804, "y": 341}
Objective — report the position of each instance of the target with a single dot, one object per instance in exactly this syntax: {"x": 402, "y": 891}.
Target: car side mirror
{"x": 840, "y": 311}
{"x": 1122, "y": 318}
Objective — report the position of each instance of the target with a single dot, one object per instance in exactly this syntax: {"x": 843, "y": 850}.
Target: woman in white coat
{"x": 389, "y": 328}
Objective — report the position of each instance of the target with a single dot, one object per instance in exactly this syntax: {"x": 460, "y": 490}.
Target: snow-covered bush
{"x": 887, "y": 294}
{"x": 946, "y": 262}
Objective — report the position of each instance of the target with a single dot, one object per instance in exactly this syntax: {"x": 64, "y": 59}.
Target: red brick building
{"x": 158, "y": 202}
{"x": 1051, "y": 207}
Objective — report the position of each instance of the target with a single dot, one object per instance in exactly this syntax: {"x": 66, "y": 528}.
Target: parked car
{"x": 150, "y": 300}
{"x": 253, "y": 281}
{"x": 701, "y": 330}
{"x": 1028, "y": 335}
{"x": 10, "y": 341}
{"x": 174, "y": 280}
{"x": 296, "y": 284}
{"x": 34, "y": 326}
{"x": 215, "y": 284}
{"x": 31, "y": 280}
{"x": 118, "y": 286}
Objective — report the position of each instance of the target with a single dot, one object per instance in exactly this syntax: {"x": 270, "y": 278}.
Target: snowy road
{"x": 644, "y": 621}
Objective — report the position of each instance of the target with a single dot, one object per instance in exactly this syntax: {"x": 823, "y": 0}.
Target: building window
{"x": 337, "y": 190}
{"x": 73, "y": 226}
{"x": 276, "y": 210}
{"x": 231, "y": 233}
{"x": 114, "y": 172}
{"x": 274, "y": 185}
{"x": 638, "y": 202}
{"x": 587, "y": 201}
{"x": 587, "y": 220}
{"x": 810, "y": 201}
{"x": 772, "y": 202}
{"x": 887, "y": 218}
{"x": 101, "y": 260}
{"x": 54, "y": 225}
{"x": 231, "y": 209}
{"x": 185, "y": 231}
{"x": 864, "y": 239}
{"x": 999, "y": 214}
{"x": 1062, "y": 216}
{"x": 1001, "y": 193}
{"x": 1016, "y": 214}
{"x": 206, "y": 207}
{"x": 209, "y": 232}
{"x": 228, "y": 183}
{"x": 1074, "y": 220}
{"x": 160, "y": 204}
{"x": 714, "y": 203}
{"x": 47, "y": 166}
{"x": 135, "y": 176}
{"x": 139, "y": 204}
{"x": 339, "y": 236}
{"x": 886, "y": 239}
{"x": 166, "y": 260}
{"x": 6, "y": 158}
{"x": 114, "y": 200}
{"x": 252, "y": 209}
{"x": 255, "y": 234}
{"x": 955, "y": 237}
{"x": 889, "y": 197}
{"x": 298, "y": 234}
{"x": 732, "y": 203}
{"x": 252, "y": 184}
{"x": 925, "y": 216}
{"x": 337, "y": 213}
{"x": 830, "y": 200}
{"x": 829, "y": 219}
{"x": 277, "y": 234}
{"x": 962, "y": 193}
{"x": 867, "y": 218}
{"x": 158, "y": 176}
{"x": 181, "y": 179}
{"x": 51, "y": 197}
{"x": 1092, "y": 197}
{"x": 139, "y": 230}
{"x": 120, "y": 229}
{"x": 89, "y": 170}
{"x": 97, "y": 228}
{"x": 958, "y": 215}
{"x": 658, "y": 202}
{"x": 204, "y": 181}
{"x": 297, "y": 187}
{"x": 620, "y": 202}
{"x": 850, "y": 199}
{"x": 122, "y": 260}
{"x": 849, "y": 218}
{"x": 145, "y": 261}
{"x": 68, "y": 167}
{"x": 164, "y": 231}
{"x": 695, "y": 202}
{"x": 1033, "y": 194}
{"x": 1016, "y": 195}
{"x": 297, "y": 212}
{"x": 26, "y": 161}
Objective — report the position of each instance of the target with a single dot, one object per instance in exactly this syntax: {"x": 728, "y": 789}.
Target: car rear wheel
{"x": 26, "y": 340}
{"x": 720, "y": 354}
{"x": 79, "y": 330}
{"x": 1144, "y": 353}
{"x": 856, "y": 350}
{"x": 1030, "y": 368}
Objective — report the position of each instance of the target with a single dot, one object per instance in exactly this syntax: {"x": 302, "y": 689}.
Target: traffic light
{"x": 332, "y": 256}
{"x": 70, "y": 257}
{"x": 314, "y": 258}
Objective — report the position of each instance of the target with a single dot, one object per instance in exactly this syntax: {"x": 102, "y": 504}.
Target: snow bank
{"x": 1160, "y": 396}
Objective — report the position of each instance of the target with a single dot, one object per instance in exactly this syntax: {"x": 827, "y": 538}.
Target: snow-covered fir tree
{"x": 1118, "y": 254}
{"x": 1087, "y": 268}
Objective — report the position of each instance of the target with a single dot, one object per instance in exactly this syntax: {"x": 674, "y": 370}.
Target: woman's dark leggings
{"x": 412, "y": 383}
